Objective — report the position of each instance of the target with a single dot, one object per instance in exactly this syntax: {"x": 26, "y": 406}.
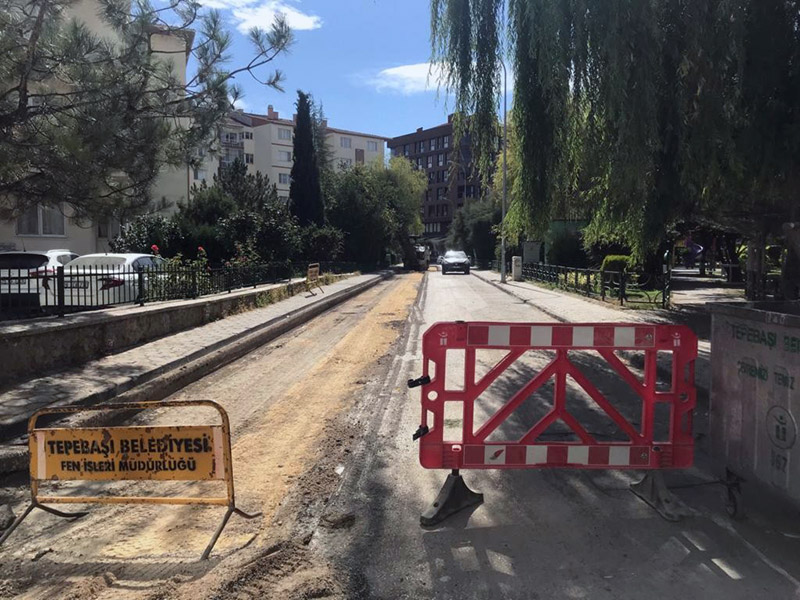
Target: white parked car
{"x": 101, "y": 280}
{"x": 21, "y": 274}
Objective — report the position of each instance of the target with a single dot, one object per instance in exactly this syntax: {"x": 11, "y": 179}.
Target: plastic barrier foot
{"x": 653, "y": 490}
{"x": 453, "y": 497}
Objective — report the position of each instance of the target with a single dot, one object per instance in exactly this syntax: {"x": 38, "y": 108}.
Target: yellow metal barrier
{"x": 312, "y": 277}
{"x": 175, "y": 453}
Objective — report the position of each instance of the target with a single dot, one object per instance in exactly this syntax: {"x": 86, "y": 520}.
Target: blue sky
{"x": 366, "y": 61}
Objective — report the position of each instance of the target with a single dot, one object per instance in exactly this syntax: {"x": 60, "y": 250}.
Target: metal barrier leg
{"x": 28, "y": 510}
{"x": 653, "y": 490}
{"x": 453, "y": 497}
{"x": 218, "y": 532}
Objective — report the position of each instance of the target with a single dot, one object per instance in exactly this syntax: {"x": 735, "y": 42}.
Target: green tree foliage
{"x": 90, "y": 119}
{"x": 236, "y": 211}
{"x": 474, "y": 229}
{"x": 305, "y": 192}
{"x": 145, "y": 231}
{"x": 642, "y": 113}
{"x": 376, "y": 208}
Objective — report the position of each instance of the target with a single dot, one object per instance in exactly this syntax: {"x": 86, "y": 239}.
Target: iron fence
{"x": 629, "y": 288}
{"x": 65, "y": 289}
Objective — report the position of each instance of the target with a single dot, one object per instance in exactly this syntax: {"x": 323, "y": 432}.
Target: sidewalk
{"x": 572, "y": 308}
{"x": 109, "y": 376}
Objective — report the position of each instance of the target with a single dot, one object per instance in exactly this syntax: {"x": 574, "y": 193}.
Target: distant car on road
{"x": 101, "y": 280}
{"x": 22, "y": 272}
{"x": 455, "y": 261}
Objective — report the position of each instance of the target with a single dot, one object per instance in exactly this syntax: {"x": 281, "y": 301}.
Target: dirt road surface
{"x": 288, "y": 404}
{"x": 322, "y": 423}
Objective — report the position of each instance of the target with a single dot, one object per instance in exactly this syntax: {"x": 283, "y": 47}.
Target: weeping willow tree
{"x": 640, "y": 113}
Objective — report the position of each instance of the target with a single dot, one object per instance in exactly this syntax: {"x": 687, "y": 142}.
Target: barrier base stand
{"x": 653, "y": 490}
{"x": 453, "y": 497}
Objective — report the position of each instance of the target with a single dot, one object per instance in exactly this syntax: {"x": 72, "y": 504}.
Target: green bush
{"x": 616, "y": 263}
{"x": 566, "y": 250}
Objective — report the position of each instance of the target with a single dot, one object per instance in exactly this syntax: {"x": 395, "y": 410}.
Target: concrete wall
{"x": 32, "y": 348}
{"x": 755, "y": 392}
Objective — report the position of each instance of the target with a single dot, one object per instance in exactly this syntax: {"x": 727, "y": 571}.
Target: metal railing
{"x": 626, "y": 288}
{"x": 66, "y": 290}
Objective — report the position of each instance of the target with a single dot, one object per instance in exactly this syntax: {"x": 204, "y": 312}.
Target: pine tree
{"x": 305, "y": 193}
{"x": 90, "y": 116}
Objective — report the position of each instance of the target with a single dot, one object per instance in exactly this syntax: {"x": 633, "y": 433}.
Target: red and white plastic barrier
{"x": 640, "y": 451}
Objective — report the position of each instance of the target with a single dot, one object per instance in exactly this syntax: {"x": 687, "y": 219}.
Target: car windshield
{"x": 455, "y": 254}
{"x": 97, "y": 261}
{"x": 22, "y": 261}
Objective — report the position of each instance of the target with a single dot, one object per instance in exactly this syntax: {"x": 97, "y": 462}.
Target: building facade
{"x": 452, "y": 180}
{"x": 45, "y": 227}
{"x": 265, "y": 144}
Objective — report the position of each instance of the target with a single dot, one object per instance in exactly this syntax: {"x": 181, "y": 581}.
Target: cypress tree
{"x": 305, "y": 192}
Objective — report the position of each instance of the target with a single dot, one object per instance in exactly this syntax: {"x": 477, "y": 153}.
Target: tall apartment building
{"x": 265, "y": 143}
{"x": 452, "y": 180}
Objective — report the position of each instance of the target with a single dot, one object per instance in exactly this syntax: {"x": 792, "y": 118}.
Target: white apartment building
{"x": 46, "y": 228}
{"x": 265, "y": 143}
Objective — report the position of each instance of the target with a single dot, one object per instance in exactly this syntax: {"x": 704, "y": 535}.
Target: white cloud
{"x": 262, "y": 15}
{"x": 407, "y": 79}
{"x": 255, "y": 13}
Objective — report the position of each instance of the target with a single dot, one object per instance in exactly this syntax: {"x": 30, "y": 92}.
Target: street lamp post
{"x": 505, "y": 175}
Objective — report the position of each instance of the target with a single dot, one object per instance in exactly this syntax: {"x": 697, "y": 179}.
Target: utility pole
{"x": 505, "y": 175}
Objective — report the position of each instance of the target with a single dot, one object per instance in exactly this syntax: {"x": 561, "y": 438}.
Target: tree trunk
{"x": 730, "y": 257}
{"x": 755, "y": 268}
{"x": 790, "y": 270}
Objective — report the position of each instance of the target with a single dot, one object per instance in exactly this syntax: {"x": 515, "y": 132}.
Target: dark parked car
{"x": 455, "y": 261}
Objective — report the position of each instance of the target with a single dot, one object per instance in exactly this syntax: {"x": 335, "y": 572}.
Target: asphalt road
{"x": 540, "y": 534}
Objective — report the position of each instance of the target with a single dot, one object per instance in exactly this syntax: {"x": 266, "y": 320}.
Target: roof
{"x": 401, "y": 139}
{"x": 264, "y": 119}
{"x": 345, "y": 131}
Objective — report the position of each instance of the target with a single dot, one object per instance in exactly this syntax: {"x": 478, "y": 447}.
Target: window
{"x": 444, "y": 210}
{"x": 447, "y": 141}
{"x": 41, "y": 220}
{"x": 107, "y": 228}
{"x": 345, "y": 142}
{"x": 284, "y": 134}
{"x": 444, "y": 175}
{"x": 284, "y": 199}
{"x": 283, "y": 178}
{"x": 441, "y": 160}
{"x": 430, "y": 160}
{"x": 405, "y": 149}
{"x": 346, "y": 163}
{"x": 431, "y": 177}
{"x": 248, "y": 159}
{"x": 431, "y": 210}
{"x": 441, "y": 192}
{"x": 372, "y": 146}
{"x": 284, "y": 156}
{"x": 419, "y": 162}
{"x": 248, "y": 135}
{"x": 397, "y": 151}
{"x": 199, "y": 174}
{"x": 433, "y": 143}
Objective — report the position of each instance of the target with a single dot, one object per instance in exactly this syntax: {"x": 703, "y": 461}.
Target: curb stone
{"x": 150, "y": 387}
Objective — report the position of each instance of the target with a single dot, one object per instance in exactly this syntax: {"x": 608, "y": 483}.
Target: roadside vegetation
{"x": 649, "y": 120}
{"x": 362, "y": 214}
